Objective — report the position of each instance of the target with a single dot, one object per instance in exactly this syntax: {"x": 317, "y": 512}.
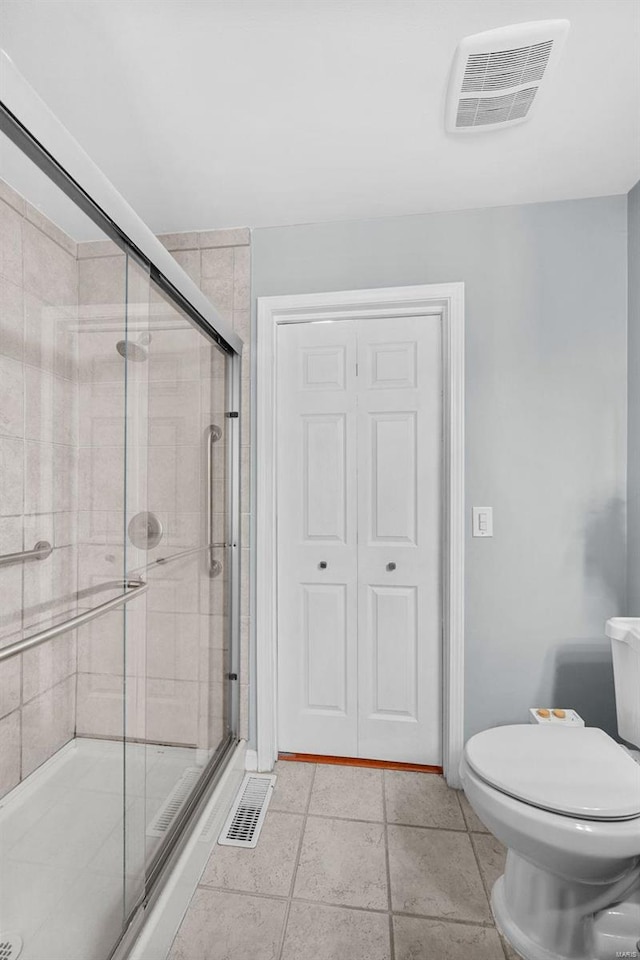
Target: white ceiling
{"x": 218, "y": 113}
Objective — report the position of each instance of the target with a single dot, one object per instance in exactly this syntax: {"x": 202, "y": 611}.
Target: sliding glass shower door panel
{"x": 187, "y": 646}
{"x": 64, "y": 290}
{"x": 116, "y": 564}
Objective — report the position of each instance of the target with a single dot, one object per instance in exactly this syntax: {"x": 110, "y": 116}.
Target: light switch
{"x": 482, "y": 521}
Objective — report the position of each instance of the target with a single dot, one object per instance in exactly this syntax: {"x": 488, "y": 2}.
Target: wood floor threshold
{"x": 357, "y": 762}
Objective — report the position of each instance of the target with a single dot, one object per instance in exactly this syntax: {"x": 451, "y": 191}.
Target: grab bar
{"x": 163, "y": 561}
{"x": 214, "y": 433}
{"x": 41, "y": 551}
{"x": 185, "y": 553}
{"x": 134, "y": 588}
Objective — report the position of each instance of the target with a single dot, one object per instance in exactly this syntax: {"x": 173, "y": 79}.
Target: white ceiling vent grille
{"x": 496, "y": 75}
{"x": 508, "y": 68}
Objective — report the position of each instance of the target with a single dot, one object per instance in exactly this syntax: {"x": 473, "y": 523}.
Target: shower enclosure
{"x": 119, "y": 392}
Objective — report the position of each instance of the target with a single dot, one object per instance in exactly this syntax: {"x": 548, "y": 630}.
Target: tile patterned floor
{"x": 352, "y": 864}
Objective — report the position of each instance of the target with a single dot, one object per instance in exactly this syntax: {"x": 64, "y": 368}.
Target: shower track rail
{"x": 133, "y": 587}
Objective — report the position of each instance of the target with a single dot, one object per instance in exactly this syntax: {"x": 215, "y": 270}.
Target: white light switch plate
{"x": 482, "y": 521}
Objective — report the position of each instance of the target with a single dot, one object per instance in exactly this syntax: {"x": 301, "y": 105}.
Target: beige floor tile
{"x": 293, "y": 786}
{"x": 491, "y": 855}
{"x": 266, "y": 868}
{"x": 434, "y": 872}
{"x": 352, "y": 792}
{"x": 422, "y": 800}
{"x": 318, "y": 932}
{"x": 417, "y": 939}
{"x": 343, "y": 862}
{"x": 473, "y": 820}
{"x": 229, "y": 926}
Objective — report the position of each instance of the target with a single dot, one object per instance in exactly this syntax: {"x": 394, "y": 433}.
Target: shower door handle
{"x": 214, "y": 433}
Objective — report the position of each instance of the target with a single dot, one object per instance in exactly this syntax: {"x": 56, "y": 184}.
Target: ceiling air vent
{"x": 496, "y": 75}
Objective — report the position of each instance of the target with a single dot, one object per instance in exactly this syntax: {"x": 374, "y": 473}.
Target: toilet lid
{"x": 581, "y": 772}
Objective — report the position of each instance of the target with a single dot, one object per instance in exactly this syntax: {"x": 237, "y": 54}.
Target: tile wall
{"x": 38, "y": 481}
{"x": 175, "y": 655}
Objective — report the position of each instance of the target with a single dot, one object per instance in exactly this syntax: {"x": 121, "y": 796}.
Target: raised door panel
{"x": 325, "y": 638}
{"x": 323, "y": 477}
{"x": 393, "y": 486}
{"x": 393, "y": 625}
{"x": 323, "y": 368}
{"x": 391, "y": 365}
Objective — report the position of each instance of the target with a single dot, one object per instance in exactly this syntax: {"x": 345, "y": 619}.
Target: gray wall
{"x": 633, "y": 441}
{"x": 546, "y": 309}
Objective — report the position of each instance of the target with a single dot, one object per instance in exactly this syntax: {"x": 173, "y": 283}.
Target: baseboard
{"x": 358, "y": 762}
{"x": 251, "y": 760}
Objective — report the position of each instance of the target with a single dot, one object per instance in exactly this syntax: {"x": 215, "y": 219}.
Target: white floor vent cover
{"x": 172, "y": 805}
{"x": 10, "y": 946}
{"x": 244, "y": 823}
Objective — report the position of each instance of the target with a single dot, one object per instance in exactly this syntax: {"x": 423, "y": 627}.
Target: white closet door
{"x": 359, "y": 609}
{"x": 317, "y": 516}
{"x": 399, "y": 539}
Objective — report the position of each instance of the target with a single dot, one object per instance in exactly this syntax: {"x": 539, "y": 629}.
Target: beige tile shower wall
{"x": 219, "y": 261}
{"x": 38, "y": 481}
{"x": 174, "y": 656}
{"x": 111, "y": 291}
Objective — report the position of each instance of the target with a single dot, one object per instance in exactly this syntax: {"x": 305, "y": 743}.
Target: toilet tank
{"x": 624, "y": 633}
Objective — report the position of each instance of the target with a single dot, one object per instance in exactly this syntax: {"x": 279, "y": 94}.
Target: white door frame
{"x": 445, "y": 300}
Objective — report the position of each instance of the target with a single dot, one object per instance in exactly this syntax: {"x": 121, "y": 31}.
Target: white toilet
{"x": 566, "y": 804}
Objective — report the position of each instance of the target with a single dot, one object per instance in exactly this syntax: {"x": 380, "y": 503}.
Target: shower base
{"x": 63, "y": 882}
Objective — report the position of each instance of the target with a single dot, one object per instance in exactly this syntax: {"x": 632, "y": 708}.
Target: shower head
{"x": 131, "y": 350}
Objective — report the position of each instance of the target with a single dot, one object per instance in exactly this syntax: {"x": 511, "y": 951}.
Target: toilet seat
{"x": 575, "y": 772}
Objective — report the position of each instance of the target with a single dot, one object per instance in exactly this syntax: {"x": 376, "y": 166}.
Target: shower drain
{"x": 10, "y": 946}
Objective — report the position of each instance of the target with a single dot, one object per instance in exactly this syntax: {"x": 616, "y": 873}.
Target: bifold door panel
{"x": 359, "y": 490}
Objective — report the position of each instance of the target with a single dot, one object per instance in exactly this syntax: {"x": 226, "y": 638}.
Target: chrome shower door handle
{"x": 213, "y": 434}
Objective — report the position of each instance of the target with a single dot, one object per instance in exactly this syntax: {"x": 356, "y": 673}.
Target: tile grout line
{"x": 393, "y": 823}
{"x": 471, "y": 834}
{"x": 481, "y": 924}
{"x": 295, "y": 866}
{"x": 392, "y": 946}
{"x": 477, "y": 860}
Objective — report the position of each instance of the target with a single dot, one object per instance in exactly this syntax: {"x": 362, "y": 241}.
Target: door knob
{"x": 391, "y": 565}
{"x": 323, "y": 564}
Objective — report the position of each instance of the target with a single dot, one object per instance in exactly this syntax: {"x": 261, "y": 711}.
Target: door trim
{"x": 445, "y": 300}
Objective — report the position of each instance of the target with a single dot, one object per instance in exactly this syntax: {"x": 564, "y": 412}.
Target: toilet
{"x": 565, "y": 801}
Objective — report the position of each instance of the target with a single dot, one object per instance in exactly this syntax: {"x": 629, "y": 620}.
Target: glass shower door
{"x": 69, "y": 868}
{"x": 187, "y": 652}
{"x": 116, "y": 497}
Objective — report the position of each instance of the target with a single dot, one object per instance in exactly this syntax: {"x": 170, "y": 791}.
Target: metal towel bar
{"x": 41, "y": 551}
{"x": 134, "y": 588}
